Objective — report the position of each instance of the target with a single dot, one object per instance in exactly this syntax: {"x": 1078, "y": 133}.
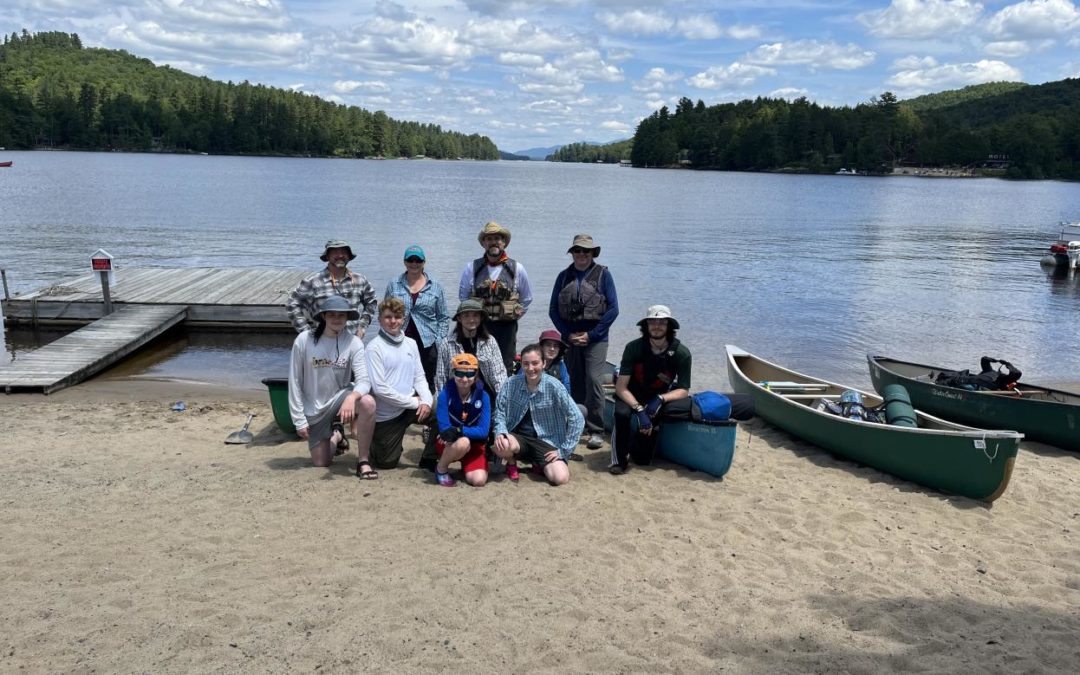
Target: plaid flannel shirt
{"x": 308, "y": 295}
{"x": 555, "y": 416}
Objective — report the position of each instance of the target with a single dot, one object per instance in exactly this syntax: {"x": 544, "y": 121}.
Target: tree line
{"x": 1020, "y": 131}
{"x": 611, "y": 153}
{"x": 55, "y": 93}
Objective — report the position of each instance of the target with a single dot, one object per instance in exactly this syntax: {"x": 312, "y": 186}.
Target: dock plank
{"x": 89, "y": 350}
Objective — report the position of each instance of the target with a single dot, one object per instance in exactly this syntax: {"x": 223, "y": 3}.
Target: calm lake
{"x": 809, "y": 271}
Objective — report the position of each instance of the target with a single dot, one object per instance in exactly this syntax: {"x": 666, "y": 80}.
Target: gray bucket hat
{"x": 336, "y": 303}
{"x": 337, "y": 243}
{"x": 659, "y": 312}
{"x": 469, "y": 305}
{"x": 585, "y": 241}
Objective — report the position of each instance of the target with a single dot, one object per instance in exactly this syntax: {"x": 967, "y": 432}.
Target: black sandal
{"x": 343, "y": 444}
{"x": 366, "y": 474}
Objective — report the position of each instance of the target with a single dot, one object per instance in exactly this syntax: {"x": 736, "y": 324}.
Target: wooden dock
{"x": 89, "y": 350}
{"x": 241, "y": 298}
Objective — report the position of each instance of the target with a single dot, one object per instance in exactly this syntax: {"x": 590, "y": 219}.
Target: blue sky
{"x": 549, "y": 72}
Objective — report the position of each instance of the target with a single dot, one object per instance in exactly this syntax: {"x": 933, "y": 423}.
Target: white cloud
{"x": 347, "y": 86}
{"x": 221, "y": 14}
{"x": 812, "y": 53}
{"x": 654, "y": 22}
{"x": 952, "y": 76}
{"x": 921, "y": 19}
{"x": 613, "y": 125}
{"x": 480, "y": 111}
{"x": 636, "y": 22}
{"x": 516, "y": 35}
{"x": 913, "y": 63}
{"x": 789, "y": 93}
{"x": 1007, "y": 48}
{"x": 735, "y": 75}
{"x": 1033, "y": 19}
{"x": 519, "y": 59}
{"x": 396, "y": 40}
{"x": 698, "y": 27}
{"x": 657, "y": 79}
{"x": 255, "y": 48}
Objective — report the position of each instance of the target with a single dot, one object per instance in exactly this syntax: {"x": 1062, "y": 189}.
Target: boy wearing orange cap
{"x": 463, "y": 413}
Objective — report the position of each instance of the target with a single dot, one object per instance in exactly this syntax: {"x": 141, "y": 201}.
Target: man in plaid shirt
{"x": 335, "y": 279}
{"x": 536, "y": 420}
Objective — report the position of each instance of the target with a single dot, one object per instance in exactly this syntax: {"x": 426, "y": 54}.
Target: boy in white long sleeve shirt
{"x": 398, "y": 384}
{"x": 321, "y": 399}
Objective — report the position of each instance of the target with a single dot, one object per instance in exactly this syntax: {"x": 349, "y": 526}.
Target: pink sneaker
{"x": 512, "y": 472}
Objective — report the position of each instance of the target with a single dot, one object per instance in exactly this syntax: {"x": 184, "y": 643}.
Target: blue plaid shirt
{"x": 430, "y": 314}
{"x": 555, "y": 416}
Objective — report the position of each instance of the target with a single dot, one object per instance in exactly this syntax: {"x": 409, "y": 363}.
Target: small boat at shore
{"x": 1042, "y": 414}
{"x": 935, "y": 453}
{"x": 5, "y": 164}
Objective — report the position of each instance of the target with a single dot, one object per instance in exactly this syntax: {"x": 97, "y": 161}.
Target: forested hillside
{"x": 55, "y": 93}
{"x": 611, "y": 153}
{"x": 1029, "y": 131}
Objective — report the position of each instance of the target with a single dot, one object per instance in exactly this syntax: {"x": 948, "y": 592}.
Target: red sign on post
{"x": 101, "y": 264}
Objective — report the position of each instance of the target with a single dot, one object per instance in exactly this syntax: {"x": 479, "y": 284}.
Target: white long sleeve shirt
{"x": 319, "y": 370}
{"x": 397, "y": 376}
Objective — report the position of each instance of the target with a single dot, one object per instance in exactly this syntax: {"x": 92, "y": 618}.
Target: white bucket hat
{"x": 659, "y": 312}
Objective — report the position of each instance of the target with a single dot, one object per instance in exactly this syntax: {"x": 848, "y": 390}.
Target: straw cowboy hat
{"x": 659, "y": 312}
{"x": 584, "y": 241}
{"x": 493, "y": 228}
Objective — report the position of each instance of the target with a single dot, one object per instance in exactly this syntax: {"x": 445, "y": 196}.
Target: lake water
{"x": 809, "y": 271}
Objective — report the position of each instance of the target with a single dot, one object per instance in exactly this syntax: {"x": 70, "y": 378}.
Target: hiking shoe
{"x": 595, "y": 442}
{"x": 512, "y": 472}
{"x": 617, "y": 470}
{"x": 444, "y": 479}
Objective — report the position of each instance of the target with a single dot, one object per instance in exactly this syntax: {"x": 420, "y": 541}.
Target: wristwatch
{"x": 639, "y": 408}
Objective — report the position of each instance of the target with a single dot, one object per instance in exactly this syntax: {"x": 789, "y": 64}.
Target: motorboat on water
{"x": 1065, "y": 252}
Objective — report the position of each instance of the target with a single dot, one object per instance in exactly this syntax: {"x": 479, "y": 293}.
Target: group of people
{"x": 462, "y": 383}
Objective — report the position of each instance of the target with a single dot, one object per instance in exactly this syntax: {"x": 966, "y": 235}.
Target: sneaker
{"x": 445, "y": 479}
{"x": 512, "y": 472}
{"x": 616, "y": 470}
{"x": 595, "y": 442}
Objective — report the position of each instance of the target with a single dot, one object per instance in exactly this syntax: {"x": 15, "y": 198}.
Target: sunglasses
{"x": 464, "y": 373}
{"x": 578, "y": 250}
{"x": 414, "y": 259}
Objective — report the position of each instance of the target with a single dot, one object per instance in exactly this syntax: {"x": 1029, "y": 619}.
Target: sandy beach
{"x": 135, "y": 540}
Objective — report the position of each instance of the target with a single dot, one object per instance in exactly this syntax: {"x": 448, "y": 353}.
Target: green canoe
{"x": 938, "y": 454}
{"x": 1042, "y": 414}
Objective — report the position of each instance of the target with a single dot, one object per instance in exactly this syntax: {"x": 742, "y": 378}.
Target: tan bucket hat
{"x": 493, "y": 228}
{"x": 585, "y": 241}
{"x": 659, "y": 312}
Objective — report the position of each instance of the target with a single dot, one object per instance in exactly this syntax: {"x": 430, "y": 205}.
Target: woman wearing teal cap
{"x": 427, "y": 317}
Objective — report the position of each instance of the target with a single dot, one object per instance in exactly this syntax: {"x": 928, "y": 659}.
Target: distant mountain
{"x": 538, "y": 153}
{"x": 509, "y": 156}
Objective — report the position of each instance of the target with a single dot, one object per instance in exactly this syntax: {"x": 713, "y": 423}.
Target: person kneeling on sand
{"x": 398, "y": 383}
{"x": 464, "y": 415}
{"x": 321, "y": 400}
{"x": 536, "y": 420}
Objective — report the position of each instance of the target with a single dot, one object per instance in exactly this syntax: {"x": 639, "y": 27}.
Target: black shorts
{"x": 533, "y": 450}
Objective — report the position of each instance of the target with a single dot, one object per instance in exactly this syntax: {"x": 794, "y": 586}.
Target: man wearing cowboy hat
{"x": 583, "y": 306}
{"x": 655, "y": 370}
{"x": 502, "y": 287}
{"x": 334, "y": 279}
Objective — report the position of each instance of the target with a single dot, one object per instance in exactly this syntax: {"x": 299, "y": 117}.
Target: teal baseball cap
{"x": 415, "y": 250}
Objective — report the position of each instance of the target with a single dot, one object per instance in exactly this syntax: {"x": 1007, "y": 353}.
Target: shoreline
{"x": 135, "y": 539}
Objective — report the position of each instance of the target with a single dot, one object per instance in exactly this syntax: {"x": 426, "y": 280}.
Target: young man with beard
{"x": 334, "y": 279}
{"x": 655, "y": 370}
{"x": 536, "y": 420}
{"x": 502, "y": 287}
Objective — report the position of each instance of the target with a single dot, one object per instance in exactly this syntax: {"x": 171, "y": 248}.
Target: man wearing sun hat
{"x": 501, "y": 285}
{"x": 654, "y": 371}
{"x": 334, "y": 279}
{"x": 583, "y": 306}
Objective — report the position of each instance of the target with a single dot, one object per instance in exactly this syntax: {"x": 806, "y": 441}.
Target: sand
{"x": 134, "y": 540}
